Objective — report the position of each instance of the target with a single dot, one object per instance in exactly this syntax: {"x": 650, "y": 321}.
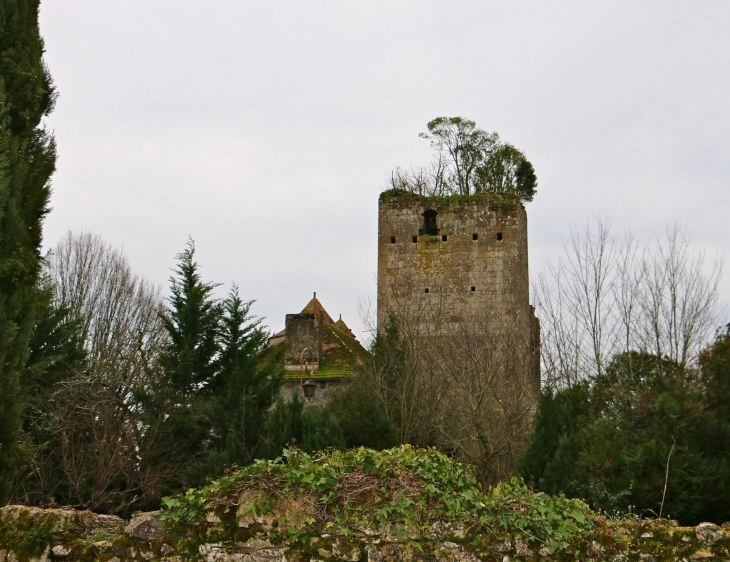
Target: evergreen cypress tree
{"x": 27, "y": 160}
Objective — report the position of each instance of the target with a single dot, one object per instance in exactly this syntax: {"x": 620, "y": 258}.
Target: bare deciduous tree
{"x": 607, "y": 295}
{"x": 120, "y": 310}
{"x": 106, "y": 447}
{"x": 111, "y": 453}
{"x": 456, "y": 383}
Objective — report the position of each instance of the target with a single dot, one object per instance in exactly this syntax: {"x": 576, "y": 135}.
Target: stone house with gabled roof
{"x": 334, "y": 352}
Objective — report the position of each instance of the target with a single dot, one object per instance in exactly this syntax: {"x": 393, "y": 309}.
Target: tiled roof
{"x": 342, "y": 327}
{"x": 315, "y": 307}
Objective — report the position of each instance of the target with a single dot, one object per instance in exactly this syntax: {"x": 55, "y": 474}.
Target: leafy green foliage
{"x": 27, "y": 160}
{"x": 553, "y": 521}
{"x": 607, "y": 441}
{"x": 404, "y": 489}
{"x": 506, "y": 170}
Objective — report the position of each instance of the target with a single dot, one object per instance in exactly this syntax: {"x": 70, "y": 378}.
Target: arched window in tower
{"x": 429, "y": 227}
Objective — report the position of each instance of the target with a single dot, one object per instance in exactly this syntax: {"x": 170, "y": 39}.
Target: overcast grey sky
{"x": 266, "y": 130}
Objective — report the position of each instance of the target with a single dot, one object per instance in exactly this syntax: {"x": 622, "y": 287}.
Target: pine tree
{"x": 27, "y": 160}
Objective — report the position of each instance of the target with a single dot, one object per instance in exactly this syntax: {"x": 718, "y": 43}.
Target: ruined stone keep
{"x": 453, "y": 264}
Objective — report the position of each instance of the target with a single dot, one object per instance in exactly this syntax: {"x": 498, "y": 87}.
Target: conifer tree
{"x": 309, "y": 428}
{"x": 246, "y": 385}
{"x": 193, "y": 323}
{"x": 190, "y": 359}
{"x": 27, "y": 160}
{"x": 364, "y": 424}
{"x": 56, "y": 350}
{"x": 320, "y": 430}
{"x": 284, "y": 425}
{"x": 56, "y": 355}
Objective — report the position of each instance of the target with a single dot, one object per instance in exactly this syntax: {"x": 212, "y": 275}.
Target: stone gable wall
{"x": 303, "y": 331}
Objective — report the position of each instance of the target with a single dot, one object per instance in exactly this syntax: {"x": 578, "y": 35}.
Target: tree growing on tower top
{"x": 468, "y": 160}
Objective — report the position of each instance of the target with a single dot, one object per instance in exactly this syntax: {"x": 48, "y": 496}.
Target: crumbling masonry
{"x": 453, "y": 267}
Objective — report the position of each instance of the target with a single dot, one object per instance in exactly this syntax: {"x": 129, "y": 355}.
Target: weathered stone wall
{"x": 303, "y": 331}
{"x": 471, "y": 275}
{"x": 64, "y": 534}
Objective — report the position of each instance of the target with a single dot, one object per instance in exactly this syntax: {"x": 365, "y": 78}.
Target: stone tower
{"x": 464, "y": 256}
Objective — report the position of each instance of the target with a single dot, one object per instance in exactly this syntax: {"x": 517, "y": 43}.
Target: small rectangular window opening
{"x": 392, "y": 239}
{"x": 415, "y": 239}
{"x": 475, "y": 237}
{"x": 473, "y": 289}
{"x": 427, "y": 290}
{"x": 443, "y": 238}
{"x": 499, "y": 236}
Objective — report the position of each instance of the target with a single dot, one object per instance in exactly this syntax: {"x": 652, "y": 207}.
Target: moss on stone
{"x": 27, "y": 536}
{"x": 505, "y": 202}
{"x": 340, "y": 358}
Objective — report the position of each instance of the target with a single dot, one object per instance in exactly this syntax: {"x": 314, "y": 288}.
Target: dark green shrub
{"x": 608, "y": 441}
